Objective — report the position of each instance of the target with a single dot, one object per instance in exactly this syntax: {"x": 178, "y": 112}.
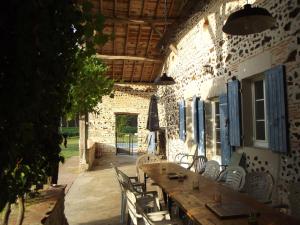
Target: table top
{"x": 193, "y": 202}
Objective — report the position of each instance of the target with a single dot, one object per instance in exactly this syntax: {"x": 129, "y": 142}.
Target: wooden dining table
{"x": 194, "y": 202}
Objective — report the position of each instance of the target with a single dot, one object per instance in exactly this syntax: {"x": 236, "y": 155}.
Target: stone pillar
{"x": 83, "y": 136}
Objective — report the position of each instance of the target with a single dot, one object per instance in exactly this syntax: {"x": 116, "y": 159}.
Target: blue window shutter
{"x": 276, "y": 109}
{"x": 224, "y": 130}
{"x": 182, "y": 120}
{"x": 201, "y": 128}
{"x": 233, "y": 92}
{"x": 195, "y": 119}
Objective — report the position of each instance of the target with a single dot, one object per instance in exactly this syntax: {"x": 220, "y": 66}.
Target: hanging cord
{"x": 165, "y": 12}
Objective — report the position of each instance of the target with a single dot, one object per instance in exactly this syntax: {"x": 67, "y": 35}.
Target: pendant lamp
{"x": 249, "y": 20}
{"x": 164, "y": 80}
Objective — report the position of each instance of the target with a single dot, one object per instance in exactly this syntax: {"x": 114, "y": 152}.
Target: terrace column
{"x": 83, "y": 135}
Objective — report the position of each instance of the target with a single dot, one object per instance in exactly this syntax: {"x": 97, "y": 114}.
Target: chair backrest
{"x": 145, "y": 159}
{"x": 140, "y": 205}
{"x": 178, "y": 157}
{"x": 132, "y": 210}
{"x": 294, "y": 198}
{"x": 259, "y": 185}
{"x": 117, "y": 175}
{"x": 212, "y": 169}
{"x": 198, "y": 165}
{"x": 234, "y": 177}
{"x": 186, "y": 160}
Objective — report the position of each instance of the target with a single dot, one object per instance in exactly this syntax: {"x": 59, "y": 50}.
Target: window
{"x": 255, "y": 123}
{"x": 212, "y": 127}
{"x": 259, "y": 113}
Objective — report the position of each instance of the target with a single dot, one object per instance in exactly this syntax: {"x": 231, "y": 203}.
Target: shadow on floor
{"x": 94, "y": 197}
{"x": 119, "y": 160}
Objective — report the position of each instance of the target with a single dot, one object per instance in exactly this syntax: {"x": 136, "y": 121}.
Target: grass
{"x": 71, "y": 131}
{"x": 72, "y": 148}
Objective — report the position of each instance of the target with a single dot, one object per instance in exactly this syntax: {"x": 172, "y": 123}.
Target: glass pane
{"x": 260, "y": 130}
{"x": 218, "y": 136}
{"x": 207, "y": 106}
{"x": 260, "y": 110}
{"x": 217, "y": 122}
{"x": 217, "y": 107}
{"x": 259, "y": 89}
{"x": 218, "y": 150}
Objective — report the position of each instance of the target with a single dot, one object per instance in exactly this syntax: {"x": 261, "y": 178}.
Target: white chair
{"x": 234, "y": 177}
{"x": 145, "y": 159}
{"x": 212, "y": 170}
{"x": 131, "y": 183}
{"x": 198, "y": 164}
{"x": 259, "y": 185}
{"x": 145, "y": 210}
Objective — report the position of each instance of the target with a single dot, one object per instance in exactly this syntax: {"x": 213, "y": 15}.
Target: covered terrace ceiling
{"x": 139, "y": 28}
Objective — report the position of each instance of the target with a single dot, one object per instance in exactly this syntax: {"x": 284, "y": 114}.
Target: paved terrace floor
{"x": 94, "y": 196}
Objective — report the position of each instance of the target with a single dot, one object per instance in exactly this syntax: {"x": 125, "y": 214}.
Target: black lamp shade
{"x": 248, "y": 21}
{"x": 164, "y": 80}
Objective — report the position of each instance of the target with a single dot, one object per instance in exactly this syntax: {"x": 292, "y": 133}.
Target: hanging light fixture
{"x": 249, "y": 20}
{"x": 164, "y": 79}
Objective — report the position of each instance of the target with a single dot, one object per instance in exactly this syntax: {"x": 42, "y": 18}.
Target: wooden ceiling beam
{"x": 138, "y": 20}
{"x": 172, "y": 47}
{"x": 128, "y": 57}
{"x": 125, "y": 50}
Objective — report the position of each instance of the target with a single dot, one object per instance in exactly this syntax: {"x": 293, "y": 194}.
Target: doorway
{"x": 126, "y": 133}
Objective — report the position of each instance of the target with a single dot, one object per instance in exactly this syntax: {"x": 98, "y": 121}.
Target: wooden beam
{"x": 127, "y": 57}
{"x": 138, "y": 20}
{"x": 152, "y": 72}
{"x": 156, "y": 9}
{"x": 115, "y": 5}
{"x": 148, "y": 43}
{"x": 172, "y": 47}
{"x": 125, "y": 50}
{"x": 143, "y": 7}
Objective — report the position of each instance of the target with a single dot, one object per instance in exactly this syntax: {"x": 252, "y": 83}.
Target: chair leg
{"x": 128, "y": 219}
{"x": 123, "y": 207}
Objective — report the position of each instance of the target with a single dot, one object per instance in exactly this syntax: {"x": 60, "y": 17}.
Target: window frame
{"x": 256, "y": 142}
{"x": 213, "y": 120}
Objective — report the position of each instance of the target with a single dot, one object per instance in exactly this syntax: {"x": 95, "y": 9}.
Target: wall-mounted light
{"x": 249, "y": 20}
{"x": 164, "y": 80}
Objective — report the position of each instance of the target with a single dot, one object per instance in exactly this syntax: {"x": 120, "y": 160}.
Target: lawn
{"x": 72, "y": 148}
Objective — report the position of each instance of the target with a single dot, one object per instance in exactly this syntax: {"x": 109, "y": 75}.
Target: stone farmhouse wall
{"x": 201, "y": 42}
{"x": 133, "y": 99}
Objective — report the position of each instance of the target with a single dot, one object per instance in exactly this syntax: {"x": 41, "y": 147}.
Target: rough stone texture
{"x": 203, "y": 45}
{"x": 127, "y": 99}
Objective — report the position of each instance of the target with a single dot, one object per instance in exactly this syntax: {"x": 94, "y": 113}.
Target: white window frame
{"x": 213, "y": 115}
{"x": 259, "y": 143}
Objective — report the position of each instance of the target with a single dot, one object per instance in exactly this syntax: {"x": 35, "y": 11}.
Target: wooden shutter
{"x": 233, "y": 90}
{"x": 195, "y": 119}
{"x": 224, "y": 130}
{"x": 182, "y": 120}
{"x": 276, "y": 109}
{"x": 201, "y": 128}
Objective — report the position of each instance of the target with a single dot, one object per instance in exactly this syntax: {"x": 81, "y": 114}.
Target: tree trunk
{"x": 6, "y": 213}
{"x": 21, "y": 203}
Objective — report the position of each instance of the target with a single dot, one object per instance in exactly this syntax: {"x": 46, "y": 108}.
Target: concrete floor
{"x": 94, "y": 197}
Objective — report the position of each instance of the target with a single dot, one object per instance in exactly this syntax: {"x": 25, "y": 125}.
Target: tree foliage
{"x": 46, "y": 48}
{"x": 86, "y": 92}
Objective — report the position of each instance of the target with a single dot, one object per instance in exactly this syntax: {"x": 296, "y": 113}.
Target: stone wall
{"x": 133, "y": 99}
{"x": 207, "y": 58}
